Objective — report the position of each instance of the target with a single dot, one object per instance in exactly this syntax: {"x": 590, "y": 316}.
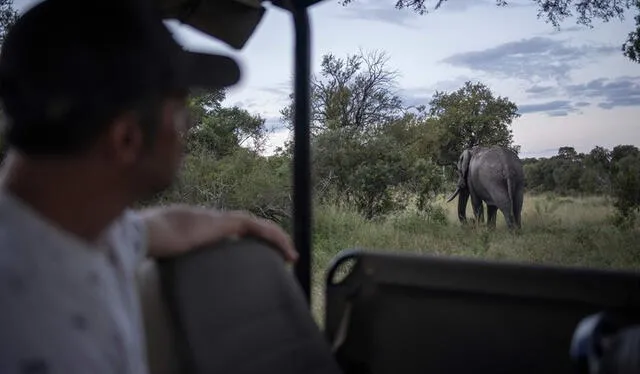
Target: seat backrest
{"x": 396, "y": 313}
{"x": 236, "y": 308}
{"x": 159, "y": 330}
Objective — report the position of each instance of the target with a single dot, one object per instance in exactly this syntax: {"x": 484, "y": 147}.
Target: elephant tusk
{"x": 453, "y": 195}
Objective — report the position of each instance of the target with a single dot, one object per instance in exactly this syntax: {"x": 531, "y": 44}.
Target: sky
{"x": 573, "y": 86}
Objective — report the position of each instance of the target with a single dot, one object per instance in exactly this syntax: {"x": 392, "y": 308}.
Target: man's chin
{"x": 153, "y": 191}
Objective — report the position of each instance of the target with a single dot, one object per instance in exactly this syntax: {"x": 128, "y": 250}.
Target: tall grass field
{"x": 568, "y": 231}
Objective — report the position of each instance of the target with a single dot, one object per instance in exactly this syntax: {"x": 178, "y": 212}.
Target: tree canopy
{"x": 472, "y": 116}
{"x": 222, "y": 130}
{"x": 8, "y": 16}
{"x": 614, "y": 172}
{"x": 355, "y": 94}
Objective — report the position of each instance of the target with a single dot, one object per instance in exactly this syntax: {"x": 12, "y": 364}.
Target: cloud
{"x": 276, "y": 139}
{"x": 542, "y": 91}
{"x": 604, "y": 93}
{"x": 565, "y": 30}
{"x": 422, "y": 95}
{"x": 415, "y": 96}
{"x": 274, "y": 124}
{"x": 376, "y": 10}
{"x": 282, "y": 89}
{"x": 537, "y": 90}
{"x": 532, "y": 59}
{"x": 250, "y": 105}
{"x": 383, "y": 11}
{"x": 556, "y": 108}
{"x": 608, "y": 93}
{"x": 23, "y": 5}
{"x": 537, "y": 153}
{"x": 452, "y": 84}
{"x": 267, "y": 101}
{"x": 457, "y": 6}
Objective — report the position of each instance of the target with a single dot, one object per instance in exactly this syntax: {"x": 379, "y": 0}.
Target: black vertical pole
{"x": 302, "y": 211}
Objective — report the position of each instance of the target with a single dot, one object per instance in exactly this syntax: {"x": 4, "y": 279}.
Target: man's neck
{"x": 74, "y": 195}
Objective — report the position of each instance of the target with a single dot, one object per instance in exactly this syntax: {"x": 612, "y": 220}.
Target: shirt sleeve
{"x": 131, "y": 237}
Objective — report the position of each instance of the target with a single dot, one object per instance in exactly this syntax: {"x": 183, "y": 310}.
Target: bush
{"x": 626, "y": 190}
{"x": 239, "y": 181}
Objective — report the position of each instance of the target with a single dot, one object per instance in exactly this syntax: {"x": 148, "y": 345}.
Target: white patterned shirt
{"x": 68, "y": 306}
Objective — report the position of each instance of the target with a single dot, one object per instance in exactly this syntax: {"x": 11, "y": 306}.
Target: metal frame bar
{"x": 302, "y": 203}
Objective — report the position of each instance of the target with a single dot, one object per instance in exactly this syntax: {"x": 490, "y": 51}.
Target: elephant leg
{"x": 463, "y": 198}
{"x": 508, "y": 216}
{"x": 478, "y": 208}
{"x": 492, "y": 213}
{"x": 479, "y": 212}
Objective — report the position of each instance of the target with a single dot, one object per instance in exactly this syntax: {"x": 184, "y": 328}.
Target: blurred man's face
{"x": 159, "y": 166}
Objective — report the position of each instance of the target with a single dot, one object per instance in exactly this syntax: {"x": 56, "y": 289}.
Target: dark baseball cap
{"x": 63, "y": 54}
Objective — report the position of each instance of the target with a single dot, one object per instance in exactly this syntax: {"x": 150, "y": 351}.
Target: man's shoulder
{"x": 32, "y": 247}
{"x": 57, "y": 295}
{"x": 21, "y": 227}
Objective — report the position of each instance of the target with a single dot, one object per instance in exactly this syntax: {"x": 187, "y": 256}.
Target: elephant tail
{"x": 511, "y": 196}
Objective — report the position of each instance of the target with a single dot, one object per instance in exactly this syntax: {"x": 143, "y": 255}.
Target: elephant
{"x": 495, "y": 176}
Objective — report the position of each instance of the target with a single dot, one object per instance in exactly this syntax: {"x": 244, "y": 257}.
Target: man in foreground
{"x": 95, "y": 95}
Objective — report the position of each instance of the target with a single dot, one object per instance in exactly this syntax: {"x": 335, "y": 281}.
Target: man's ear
{"x": 125, "y": 139}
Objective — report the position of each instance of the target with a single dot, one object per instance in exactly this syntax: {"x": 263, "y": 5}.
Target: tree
{"x": 614, "y": 173}
{"x": 567, "y": 153}
{"x": 8, "y": 17}
{"x": 596, "y": 178}
{"x": 556, "y": 11}
{"x": 631, "y": 47}
{"x": 355, "y": 94}
{"x": 377, "y": 176}
{"x": 222, "y": 132}
{"x": 223, "y": 167}
{"x": 621, "y": 151}
{"x": 368, "y": 150}
{"x": 471, "y": 116}
{"x": 626, "y": 189}
{"x": 566, "y": 175}
{"x": 205, "y": 103}
{"x": 598, "y": 158}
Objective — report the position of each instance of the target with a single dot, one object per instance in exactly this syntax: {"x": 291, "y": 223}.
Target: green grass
{"x": 567, "y": 231}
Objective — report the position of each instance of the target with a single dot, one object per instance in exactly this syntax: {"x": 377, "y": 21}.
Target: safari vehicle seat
{"x": 408, "y": 314}
{"x": 233, "y": 308}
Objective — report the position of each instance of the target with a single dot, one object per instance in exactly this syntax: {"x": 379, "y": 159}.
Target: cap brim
{"x": 208, "y": 71}
{"x": 232, "y": 22}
